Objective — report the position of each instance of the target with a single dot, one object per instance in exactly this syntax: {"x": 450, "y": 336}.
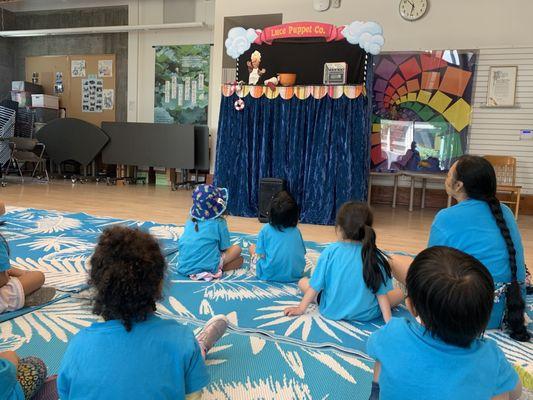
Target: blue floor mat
{"x": 14, "y": 314}
{"x": 256, "y": 306}
{"x": 240, "y": 366}
{"x": 60, "y": 244}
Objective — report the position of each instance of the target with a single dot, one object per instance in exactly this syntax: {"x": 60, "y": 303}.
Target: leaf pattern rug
{"x": 240, "y": 366}
{"x": 60, "y": 244}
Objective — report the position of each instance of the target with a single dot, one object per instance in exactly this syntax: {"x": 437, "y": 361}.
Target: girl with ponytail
{"x": 352, "y": 280}
{"x": 482, "y": 227}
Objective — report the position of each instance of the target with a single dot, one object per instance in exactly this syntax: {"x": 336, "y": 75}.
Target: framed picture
{"x": 502, "y": 86}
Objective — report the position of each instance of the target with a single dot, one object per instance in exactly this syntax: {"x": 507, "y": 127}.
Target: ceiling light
{"x": 100, "y": 29}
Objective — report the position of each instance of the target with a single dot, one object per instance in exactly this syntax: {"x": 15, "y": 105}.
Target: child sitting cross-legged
{"x": 19, "y": 288}
{"x": 352, "y": 280}
{"x": 204, "y": 248}
{"x": 280, "y": 251}
{"x": 441, "y": 355}
{"x": 134, "y": 354}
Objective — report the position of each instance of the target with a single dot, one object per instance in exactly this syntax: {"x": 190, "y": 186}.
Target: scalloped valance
{"x": 301, "y": 92}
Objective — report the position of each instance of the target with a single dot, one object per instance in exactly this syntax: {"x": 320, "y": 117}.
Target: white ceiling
{"x": 41, "y": 5}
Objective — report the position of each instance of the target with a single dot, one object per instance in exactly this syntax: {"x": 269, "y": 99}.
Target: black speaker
{"x": 268, "y": 187}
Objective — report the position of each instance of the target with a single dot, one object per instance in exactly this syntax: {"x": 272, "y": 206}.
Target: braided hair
{"x": 355, "y": 221}
{"x": 479, "y": 182}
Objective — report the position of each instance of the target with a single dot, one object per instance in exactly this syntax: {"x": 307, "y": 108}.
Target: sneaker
{"x": 212, "y": 332}
{"x": 40, "y": 296}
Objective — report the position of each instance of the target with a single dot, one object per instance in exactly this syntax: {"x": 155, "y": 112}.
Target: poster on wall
{"x": 421, "y": 111}
{"x": 92, "y": 95}
{"x": 502, "y": 86}
{"x": 58, "y": 83}
{"x": 105, "y": 68}
{"x": 109, "y": 99}
{"x": 77, "y": 68}
{"x": 181, "y": 84}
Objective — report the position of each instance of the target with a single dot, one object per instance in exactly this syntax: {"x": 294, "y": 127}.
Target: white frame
{"x": 509, "y": 100}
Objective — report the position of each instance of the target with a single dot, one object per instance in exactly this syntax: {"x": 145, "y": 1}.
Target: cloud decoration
{"x": 368, "y": 35}
{"x": 239, "y": 40}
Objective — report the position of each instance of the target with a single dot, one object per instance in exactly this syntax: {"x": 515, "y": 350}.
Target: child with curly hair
{"x": 134, "y": 354}
{"x": 204, "y": 248}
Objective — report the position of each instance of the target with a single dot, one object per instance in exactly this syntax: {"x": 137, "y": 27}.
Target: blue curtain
{"x": 319, "y": 146}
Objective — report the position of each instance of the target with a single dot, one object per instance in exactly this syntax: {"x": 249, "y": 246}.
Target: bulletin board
{"x": 47, "y": 67}
{"x": 72, "y": 96}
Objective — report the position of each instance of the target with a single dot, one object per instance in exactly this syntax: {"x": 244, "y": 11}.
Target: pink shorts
{"x": 11, "y": 296}
{"x": 209, "y": 276}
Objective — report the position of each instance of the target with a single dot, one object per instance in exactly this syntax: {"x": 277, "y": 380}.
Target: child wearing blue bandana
{"x": 204, "y": 248}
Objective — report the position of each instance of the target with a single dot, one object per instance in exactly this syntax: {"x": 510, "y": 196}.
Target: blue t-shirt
{"x": 157, "y": 359}
{"x": 9, "y": 387}
{"x": 4, "y": 256}
{"x": 283, "y": 254}
{"x": 416, "y": 365}
{"x": 339, "y": 276}
{"x": 469, "y": 226}
{"x": 200, "y": 251}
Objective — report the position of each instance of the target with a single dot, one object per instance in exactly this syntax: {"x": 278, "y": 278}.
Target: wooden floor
{"x": 397, "y": 229}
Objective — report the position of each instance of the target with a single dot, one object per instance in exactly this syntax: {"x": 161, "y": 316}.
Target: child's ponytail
{"x": 195, "y": 222}
{"x": 376, "y": 267}
{"x": 355, "y": 220}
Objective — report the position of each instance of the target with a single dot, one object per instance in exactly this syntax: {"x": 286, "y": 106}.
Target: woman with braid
{"x": 482, "y": 227}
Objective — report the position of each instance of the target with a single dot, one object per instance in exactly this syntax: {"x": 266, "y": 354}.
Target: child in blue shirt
{"x": 24, "y": 379}
{"x": 19, "y": 288}
{"x": 133, "y": 354}
{"x": 280, "y": 250}
{"x": 204, "y": 248}
{"x": 441, "y": 354}
{"x": 352, "y": 279}
{"x": 10, "y": 388}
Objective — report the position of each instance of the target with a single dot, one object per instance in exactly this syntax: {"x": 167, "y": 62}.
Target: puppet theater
{"x": 281, "y": 120}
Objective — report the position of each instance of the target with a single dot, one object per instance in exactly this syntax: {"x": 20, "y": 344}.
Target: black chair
{"x": 24, "y": 150}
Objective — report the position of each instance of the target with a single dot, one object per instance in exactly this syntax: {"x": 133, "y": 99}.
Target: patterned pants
{"x": 31, "y": 374}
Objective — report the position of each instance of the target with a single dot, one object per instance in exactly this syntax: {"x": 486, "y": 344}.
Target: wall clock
{"x": 411, "y": 10}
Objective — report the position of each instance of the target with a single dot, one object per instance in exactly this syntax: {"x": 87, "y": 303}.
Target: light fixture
{"x": 100, "y": 29}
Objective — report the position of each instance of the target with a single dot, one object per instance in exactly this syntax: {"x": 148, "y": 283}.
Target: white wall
{"x": 497, "y": 130}
{"x": 141, "y": 54}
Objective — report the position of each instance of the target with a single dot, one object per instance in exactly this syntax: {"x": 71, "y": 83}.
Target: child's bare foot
{"x": 213, "y": 331}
